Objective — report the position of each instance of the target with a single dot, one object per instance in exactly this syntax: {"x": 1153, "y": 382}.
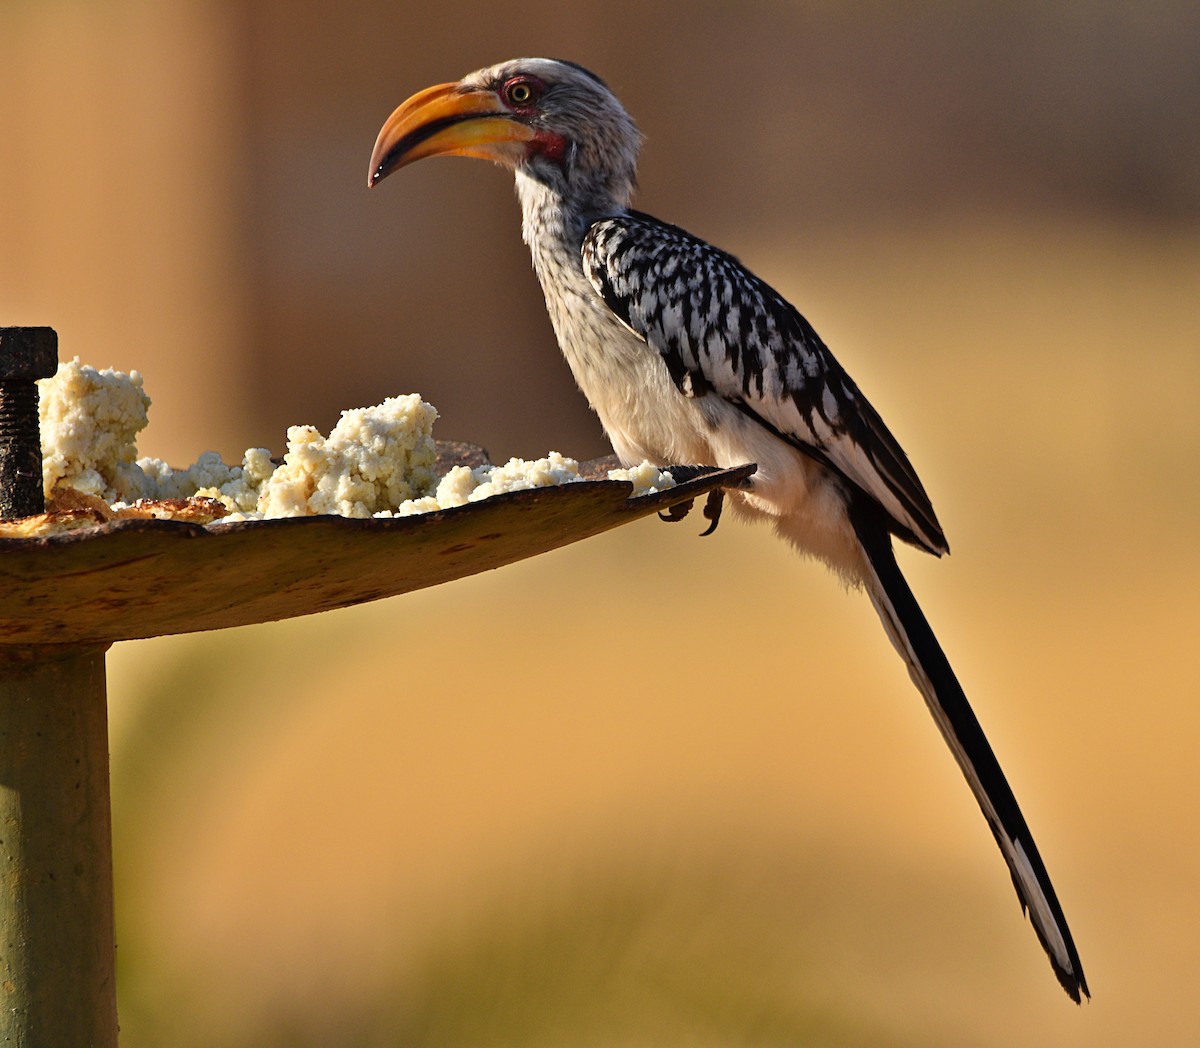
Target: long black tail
{"x": 927, "y": 665}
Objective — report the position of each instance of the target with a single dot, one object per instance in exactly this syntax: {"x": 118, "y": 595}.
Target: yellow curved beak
{"x": 448, "y": 120}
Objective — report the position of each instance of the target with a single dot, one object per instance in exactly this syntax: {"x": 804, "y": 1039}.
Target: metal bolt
{"x": 26, "y": 354}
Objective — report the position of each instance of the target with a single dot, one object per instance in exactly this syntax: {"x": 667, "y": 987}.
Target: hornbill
{"x": 689, "y": 358}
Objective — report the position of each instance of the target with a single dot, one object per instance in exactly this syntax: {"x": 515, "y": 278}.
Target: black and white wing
{"x": 719, "y": 328}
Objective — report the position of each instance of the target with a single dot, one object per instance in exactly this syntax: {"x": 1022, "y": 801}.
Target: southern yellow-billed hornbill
{"x": 687, "y": 357}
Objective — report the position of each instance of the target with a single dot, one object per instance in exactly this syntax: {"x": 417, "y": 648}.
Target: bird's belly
{"x": 628, "y": 386}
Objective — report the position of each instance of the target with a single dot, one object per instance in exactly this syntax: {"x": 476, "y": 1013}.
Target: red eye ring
{"x": 522, "y": 92}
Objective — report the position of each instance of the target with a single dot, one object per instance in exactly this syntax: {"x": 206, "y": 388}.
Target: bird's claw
{"x": 713, "y": 505}
{"x": 676, "y": 513}
{"x": 712, "y": 510}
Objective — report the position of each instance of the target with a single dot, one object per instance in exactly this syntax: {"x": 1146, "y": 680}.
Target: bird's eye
{"x": 521, "y": 92}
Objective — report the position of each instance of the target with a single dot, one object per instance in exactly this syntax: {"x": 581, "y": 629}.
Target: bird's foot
{"x": 676, "y": 513}
{"x": 713, "y": 504}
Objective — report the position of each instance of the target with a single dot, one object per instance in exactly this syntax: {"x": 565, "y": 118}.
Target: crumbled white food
{"x": 646, "y": 478}
{"x": 377, "y": 461}
{"x": 241, "y": 486}
{"x": 373, "y": 460}
{"x": 462, "y": 484}
{"x": 90, "y": 421}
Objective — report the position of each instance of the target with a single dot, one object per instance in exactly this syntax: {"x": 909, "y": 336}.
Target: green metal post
{"x": 57, "y": 984}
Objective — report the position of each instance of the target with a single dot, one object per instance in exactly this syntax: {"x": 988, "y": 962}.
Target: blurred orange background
{"x": 650, "y": 789}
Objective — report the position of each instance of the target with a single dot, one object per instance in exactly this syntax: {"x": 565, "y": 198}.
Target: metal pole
{"x": 57, "y": 981}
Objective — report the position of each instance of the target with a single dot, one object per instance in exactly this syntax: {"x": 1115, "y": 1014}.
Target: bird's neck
{"x": 561, "y": 215}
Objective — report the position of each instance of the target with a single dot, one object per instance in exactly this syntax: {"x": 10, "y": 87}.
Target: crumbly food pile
{"x": 462, "y": 484}
{"x": 90, "y": 421}
{"x": 373, "y": 460}
{"x": 377, "y": 461}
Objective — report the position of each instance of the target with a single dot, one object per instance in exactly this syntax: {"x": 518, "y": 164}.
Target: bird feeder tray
{"x": 65, "y": 597}
{"x": 133, "y": 578}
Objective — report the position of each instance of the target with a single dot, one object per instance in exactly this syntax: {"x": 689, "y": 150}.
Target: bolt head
{"x": 28, "y": 353}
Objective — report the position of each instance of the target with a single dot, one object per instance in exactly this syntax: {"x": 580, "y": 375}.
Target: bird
{"x": 688, "y": 358}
